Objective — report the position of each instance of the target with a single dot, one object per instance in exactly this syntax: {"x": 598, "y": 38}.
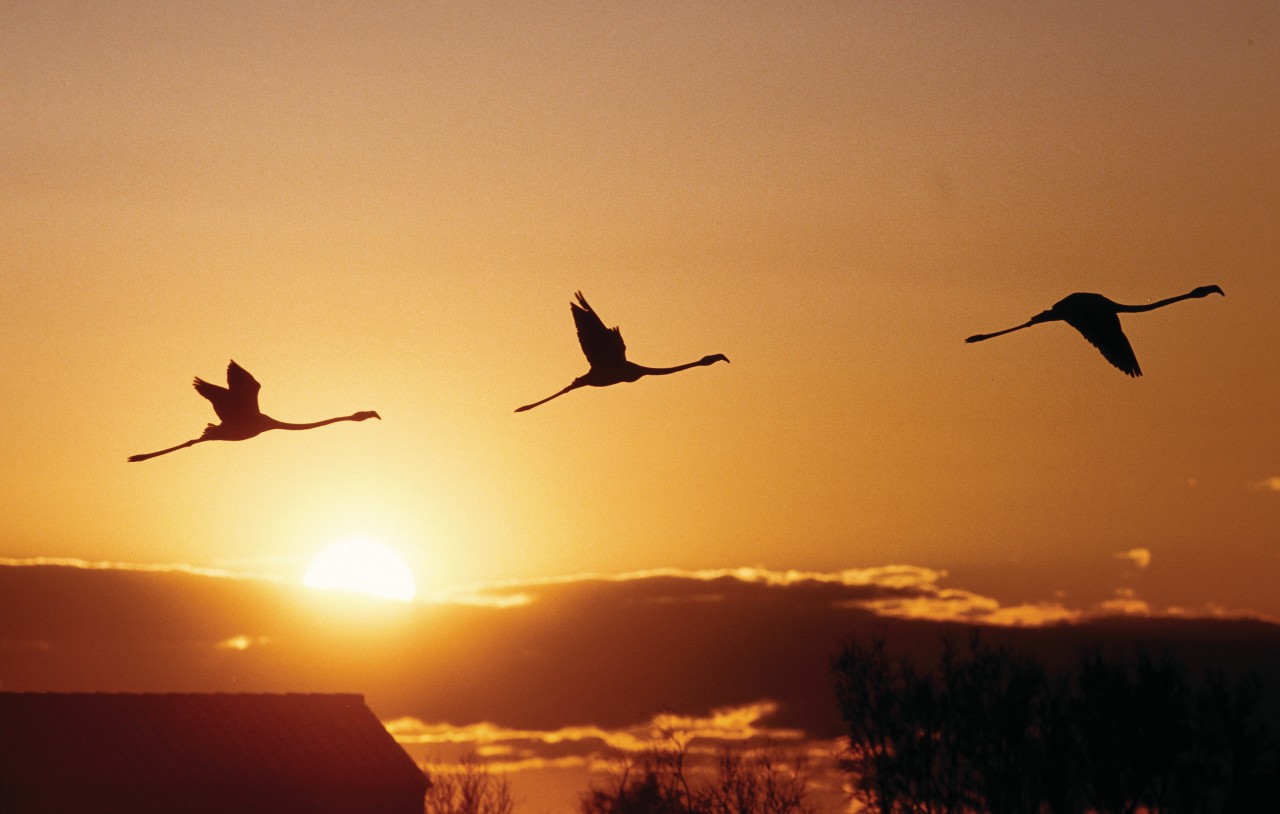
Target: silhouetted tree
{"x": 992, "y": 730}
{"x": 653, "y": 781}
{"x": 904, "y": 752}
{"x": 468, "y": 788}
{"x": 660, "y": 781}
{"x": 1135, "y": 720}
{"x": 1239, "y": 758}
{"x": 762, "y": 781}
{"x": 1001, "y": 715}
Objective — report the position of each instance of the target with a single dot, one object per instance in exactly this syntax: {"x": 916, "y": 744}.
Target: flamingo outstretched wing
{"x": 1102, "y": 330}
{"x": 238, "y": 400}
{"x": 602, "y": 346}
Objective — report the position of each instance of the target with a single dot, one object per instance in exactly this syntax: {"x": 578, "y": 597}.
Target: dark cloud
{"x": 553, "y": 670}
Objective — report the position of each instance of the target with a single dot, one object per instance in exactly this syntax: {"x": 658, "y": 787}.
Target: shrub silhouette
{"x": 660, "y": 781}
{"x": 990, "y": 729}
{"x": 468, "y": 788}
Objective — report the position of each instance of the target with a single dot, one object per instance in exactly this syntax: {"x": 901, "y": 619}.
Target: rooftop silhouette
{"x": 201, "y": 752}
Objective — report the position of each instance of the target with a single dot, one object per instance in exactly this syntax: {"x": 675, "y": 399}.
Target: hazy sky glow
{"x": 389, "y": 206}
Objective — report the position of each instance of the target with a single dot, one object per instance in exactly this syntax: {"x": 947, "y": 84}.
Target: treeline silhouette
{"x": 977, "y": 728}
{"x": 768, "y": 780}
{"x": 992, "y": 729}
{"x": 657, "y": 780}
{"x": 468, "y": 788}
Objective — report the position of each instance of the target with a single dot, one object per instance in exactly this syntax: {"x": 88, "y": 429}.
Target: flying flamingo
{"x": 607, "y": 355}
{"x": 237, "y": 407}
{"x": 1096, "y": 318}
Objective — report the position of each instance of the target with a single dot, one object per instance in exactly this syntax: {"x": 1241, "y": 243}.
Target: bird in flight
{"x": 1097, "y": 319}
{"x": 237, "y": 409}
{"x": 607, "y": 355}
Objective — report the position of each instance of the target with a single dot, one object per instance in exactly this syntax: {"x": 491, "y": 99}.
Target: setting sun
{"x": 362, "y": 566}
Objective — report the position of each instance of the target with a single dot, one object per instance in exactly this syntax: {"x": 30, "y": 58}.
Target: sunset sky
{"x": 389, "y": 206}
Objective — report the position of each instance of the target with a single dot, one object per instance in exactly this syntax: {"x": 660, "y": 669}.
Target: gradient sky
{"x": 389, "y": 206}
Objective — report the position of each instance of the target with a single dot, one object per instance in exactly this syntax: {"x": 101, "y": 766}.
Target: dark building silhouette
{"x": 201, "y": 754}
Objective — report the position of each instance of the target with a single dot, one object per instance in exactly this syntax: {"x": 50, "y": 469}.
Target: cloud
{"x": 904, "y": 592}
{"x": 499, "y": 593}
{"x": 1125, "y": 603}
{"x": 1140, "y": 557}
{"x": 1030, "y": 615}
{"x": 899, "y": 591}
{"x": 98, "y": 565}
{"x": 243, "y": 642}
{"x": 949, "y": 605}
{"x": 585, "y": 753}
{"x": 1271, "y": 484}
{"x": 741, "y": 723}
{"x": 480, "y": 598}
{"x": 591, "y": 657}
{"x": 896, "y": 591}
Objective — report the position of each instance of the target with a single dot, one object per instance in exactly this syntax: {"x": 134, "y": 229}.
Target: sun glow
{"x": 362, "y": 566}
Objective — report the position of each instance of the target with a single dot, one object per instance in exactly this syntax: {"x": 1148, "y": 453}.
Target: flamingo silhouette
{"x": 607, "y": 355}
{"x": 1097, "y": 320}
{"x": 237, "y": 407}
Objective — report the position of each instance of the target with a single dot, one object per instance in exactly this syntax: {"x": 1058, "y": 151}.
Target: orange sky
{"x": 389, "y": 208}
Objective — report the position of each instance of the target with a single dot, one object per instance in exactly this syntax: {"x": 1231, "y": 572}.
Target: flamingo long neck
{"x": 662, "y": 371}
{"x": 285, "y": 425}
{"x": 1133, "y": 309}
